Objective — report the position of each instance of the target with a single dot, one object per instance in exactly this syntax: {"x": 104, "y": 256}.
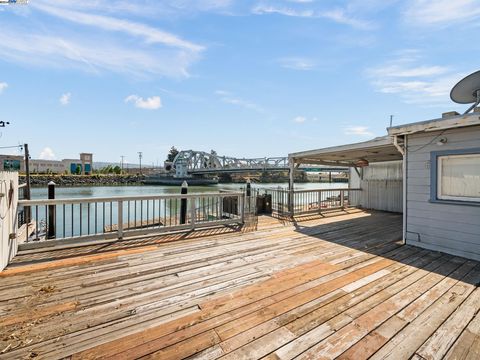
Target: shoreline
{"x": 37, "y": 181}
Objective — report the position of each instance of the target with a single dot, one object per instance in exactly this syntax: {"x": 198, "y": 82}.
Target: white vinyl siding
{"x": 459, "y": 177}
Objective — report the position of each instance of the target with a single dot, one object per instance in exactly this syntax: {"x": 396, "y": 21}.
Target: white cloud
{"x": 92, "y": 55}
{"x": 95, "y": 42}
{"x": 357, "y": 131}
{"x": 47, "y": 154}
{"x": 149, "y": 34}
{"x": 342, "y": 17}
{"x": 299, "y": 119}
{"x": 145, "y": 8}
{"x": 338, "y": 15}
{"x": 441, "y": 12}
{"x": 3, "y": 86}
{"x": 65, "y": 98}
{"x": 229, "y": 98}
{"x": 414, "y": 82}
{"x": 151, "y": 103}
{"x": 297, "y": 63}
{"x": 400, "y": 71}
{"x": 262, "y": 9}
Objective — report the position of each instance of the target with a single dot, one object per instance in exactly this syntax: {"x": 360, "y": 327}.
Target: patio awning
{"x": 375, "y": 150}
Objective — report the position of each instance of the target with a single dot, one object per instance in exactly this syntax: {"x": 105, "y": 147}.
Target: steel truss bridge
{"x": 200, "y": 162}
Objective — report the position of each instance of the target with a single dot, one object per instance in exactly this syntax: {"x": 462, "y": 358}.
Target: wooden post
{"x": 51, "y": 211}
{"x": 26, "y": 191}
{"x": 183, "y": 203}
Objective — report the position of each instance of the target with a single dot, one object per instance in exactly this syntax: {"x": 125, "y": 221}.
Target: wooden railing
{"x": 312, "y": 201}
{"x": 118, "y": 217}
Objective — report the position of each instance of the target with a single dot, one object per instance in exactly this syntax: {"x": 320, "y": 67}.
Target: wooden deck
{"x": 336, "y": 287}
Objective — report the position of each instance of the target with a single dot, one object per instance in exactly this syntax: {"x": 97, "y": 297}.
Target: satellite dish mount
{"x": 467, "y": 91}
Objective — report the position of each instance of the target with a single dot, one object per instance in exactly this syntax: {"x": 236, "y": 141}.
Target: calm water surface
{"x": 112, "y": 191}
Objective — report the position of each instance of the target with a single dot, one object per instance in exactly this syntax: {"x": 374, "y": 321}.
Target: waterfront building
{"x": 83, "y": 165}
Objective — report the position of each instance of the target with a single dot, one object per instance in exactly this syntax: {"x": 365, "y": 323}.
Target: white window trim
{"x": 439, "y": 179}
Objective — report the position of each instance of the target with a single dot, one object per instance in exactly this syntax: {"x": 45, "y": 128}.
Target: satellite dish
{"x": 467, "y": 91}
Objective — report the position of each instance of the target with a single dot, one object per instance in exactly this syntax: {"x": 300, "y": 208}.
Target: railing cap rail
{"x": 61, "y": 201}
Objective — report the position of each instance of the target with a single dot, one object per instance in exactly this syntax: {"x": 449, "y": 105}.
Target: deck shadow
{"x": 378, "y": 233}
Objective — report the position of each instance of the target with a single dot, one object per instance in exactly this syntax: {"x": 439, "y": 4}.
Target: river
{"x": 113, "y": 191}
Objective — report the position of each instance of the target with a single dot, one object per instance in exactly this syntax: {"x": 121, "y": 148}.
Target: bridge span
{"x": 190, "y": 162}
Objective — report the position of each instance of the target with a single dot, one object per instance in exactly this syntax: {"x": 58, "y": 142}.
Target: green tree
{"x": 172, "y": 153}
{"x": 78, "y": 170}
{"x": 117, "y": 170}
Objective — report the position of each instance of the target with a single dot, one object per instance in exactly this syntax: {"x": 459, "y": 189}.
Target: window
{"x": 457, "y": 176}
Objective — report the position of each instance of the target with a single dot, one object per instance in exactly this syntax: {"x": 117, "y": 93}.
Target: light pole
{"x": 140, "y": 155}
{"x": 121, "y": 162}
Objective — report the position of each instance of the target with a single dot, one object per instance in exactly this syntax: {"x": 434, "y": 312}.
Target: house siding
{"x": 451, "y": 228}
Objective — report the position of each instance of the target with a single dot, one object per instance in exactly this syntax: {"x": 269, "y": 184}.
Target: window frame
{"x": 435, "y": 174}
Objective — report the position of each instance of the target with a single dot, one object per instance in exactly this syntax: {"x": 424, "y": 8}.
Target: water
{"x": 113, "y": 191}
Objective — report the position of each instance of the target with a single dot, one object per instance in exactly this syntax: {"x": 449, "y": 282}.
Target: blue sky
{"x": 246, "y": 78}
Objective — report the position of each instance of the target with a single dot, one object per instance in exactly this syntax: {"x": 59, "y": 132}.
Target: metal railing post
{"x": 120, "y": 219}
{"x": 342, "y": 199}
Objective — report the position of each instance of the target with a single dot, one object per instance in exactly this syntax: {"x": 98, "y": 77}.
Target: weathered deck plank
{"x": 324, "y": 288}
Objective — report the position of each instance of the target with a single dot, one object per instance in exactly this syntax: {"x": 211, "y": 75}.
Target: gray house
{"x": 429, "y": 171}
{"x": 441, "y": 163}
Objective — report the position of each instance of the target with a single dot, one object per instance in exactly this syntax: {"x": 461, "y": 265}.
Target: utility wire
{"x": 11, "y": 147}
{"x": 430, "y": 142}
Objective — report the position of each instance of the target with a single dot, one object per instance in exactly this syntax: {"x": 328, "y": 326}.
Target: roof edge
{"x": 436, "y": 124}
{"x": 378, "y": 141}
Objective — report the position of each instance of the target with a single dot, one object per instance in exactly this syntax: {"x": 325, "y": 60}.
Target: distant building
{"x": 38, "y": 166}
